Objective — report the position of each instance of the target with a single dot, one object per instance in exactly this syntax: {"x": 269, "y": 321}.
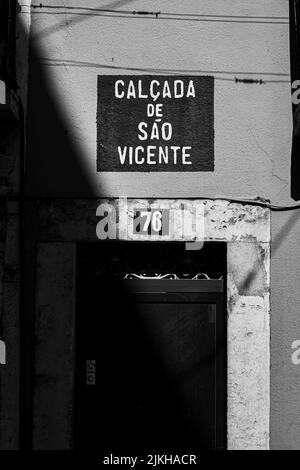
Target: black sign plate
{"x": 155, "y": 123}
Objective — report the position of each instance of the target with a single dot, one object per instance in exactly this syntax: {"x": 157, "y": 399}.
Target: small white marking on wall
{"x": 2, "y": 353}
{"x": 296, "y": 354}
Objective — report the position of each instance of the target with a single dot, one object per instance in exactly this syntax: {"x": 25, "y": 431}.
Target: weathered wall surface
{"x": 11, "y": 160}
{"x": 252, "y": 122}
{"x": 252, "y": 130}
{"x": 245, "y": 228}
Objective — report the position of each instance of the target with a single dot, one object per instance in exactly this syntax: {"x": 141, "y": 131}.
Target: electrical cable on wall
{"x": 245, "y": 80}
{"x": 257, "y": 202}
{"x": 75, "y": 10}
{"x": 189, "y": 16}
{"x": 164, "y": 15}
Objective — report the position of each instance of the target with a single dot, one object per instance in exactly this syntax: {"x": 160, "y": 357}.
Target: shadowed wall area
{"x": 56, "y": 162}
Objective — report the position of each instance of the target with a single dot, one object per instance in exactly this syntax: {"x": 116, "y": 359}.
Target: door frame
{"x": 192, "y": 291}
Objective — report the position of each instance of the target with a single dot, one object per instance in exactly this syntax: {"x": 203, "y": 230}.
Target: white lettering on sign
{"x": 157, "y": 130}
{"x": 296, "y": 354}
{"x": 154, "y": 155}
{"x": 178, "y": 89}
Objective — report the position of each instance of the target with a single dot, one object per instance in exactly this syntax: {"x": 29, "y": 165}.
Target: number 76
{"x": 151, "y": 219}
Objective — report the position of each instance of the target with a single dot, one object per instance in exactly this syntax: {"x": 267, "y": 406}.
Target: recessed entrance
{"x": 71, "y": 272}
{"x": 151, "y": 348}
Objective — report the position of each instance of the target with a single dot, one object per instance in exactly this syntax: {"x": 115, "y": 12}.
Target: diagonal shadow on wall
{"x": 50, "y": 146}
{"x": 277, "y": 241}
{"x": 78, "y": 18}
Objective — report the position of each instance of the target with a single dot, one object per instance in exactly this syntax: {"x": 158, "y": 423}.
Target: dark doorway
{"x": 150, "y": 353}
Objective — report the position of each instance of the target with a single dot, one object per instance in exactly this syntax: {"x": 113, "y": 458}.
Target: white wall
{"x": 252, "y": 122}
{"x": 252, "y": 129}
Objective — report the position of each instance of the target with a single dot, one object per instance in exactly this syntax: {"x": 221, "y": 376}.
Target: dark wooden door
{"x": 150, "y": 372}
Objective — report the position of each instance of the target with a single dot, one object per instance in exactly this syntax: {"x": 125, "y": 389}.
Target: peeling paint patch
{"x": 247, "y": 268}
{"x": 246, "y": 230}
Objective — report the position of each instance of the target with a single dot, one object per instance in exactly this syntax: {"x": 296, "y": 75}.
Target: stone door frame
{"x": 61, "y": 224}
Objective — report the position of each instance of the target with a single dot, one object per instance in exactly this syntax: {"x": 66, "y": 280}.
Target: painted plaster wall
{"x": 252, "y": 122}
{"x": 252, "y": 131}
